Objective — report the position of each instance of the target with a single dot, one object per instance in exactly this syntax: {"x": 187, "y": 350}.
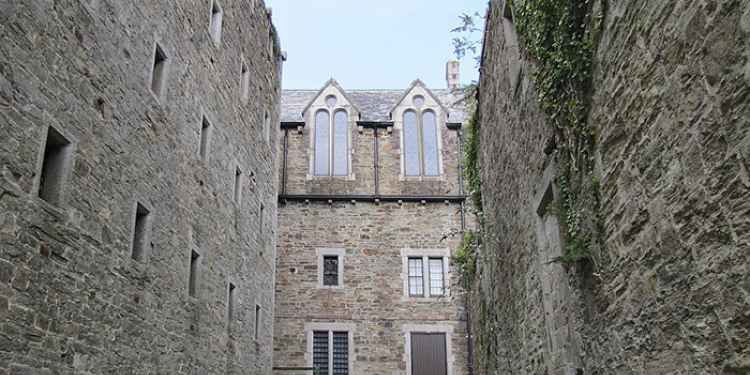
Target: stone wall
{"x": 324, "y": 213}
{"x": 670, "y": 293}
{"x": 72, "y": 298}
{"x": 372, "y": 297}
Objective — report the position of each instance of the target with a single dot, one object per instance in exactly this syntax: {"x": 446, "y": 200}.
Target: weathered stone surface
{"x": 671, "y": 294}
{"x": 72, "y": 300}
{"x": 372, "y": 237}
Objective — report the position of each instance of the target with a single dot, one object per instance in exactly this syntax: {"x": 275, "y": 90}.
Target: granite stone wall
{"x": 72, "y": 297}
{"x": 340, "y": 214}
{"x": 372, "y": 301}
{"x": 670, "y": 293}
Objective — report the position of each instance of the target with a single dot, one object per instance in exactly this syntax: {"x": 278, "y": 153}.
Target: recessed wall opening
{"x": 267, "y": 127}
{"x": 237, "y": 185}
{"x": 257, "y": 322}
{"x": 260, "y": 217}
{"x": 244, "y": 82}
{"x": 215, "y": 25}
{"x": 158, "y": 71}
{"x": 55, "y": 165}
{"x": 140, "y": 232}
{"x": 511, "y": 44}
{"x": 230, "y": 303}
{"x": 193, "y": 280}
{"x": 205, "y": 138}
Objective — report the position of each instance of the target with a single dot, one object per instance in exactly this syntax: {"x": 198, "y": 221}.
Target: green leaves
{"x": 556, "y": 34}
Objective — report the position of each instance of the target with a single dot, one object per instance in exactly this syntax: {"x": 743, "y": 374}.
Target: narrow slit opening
{"x": 158, "y": 73}
{"x": 140, "y": 232}
{"x": 205, "y": 131}
{"x": 193, "y": 280}
{"x": 57, "y": 152}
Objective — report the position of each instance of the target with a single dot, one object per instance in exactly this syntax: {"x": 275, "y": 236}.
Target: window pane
{"x": 340, "y": 147}
{"x": 416, "y": 281}
{"x": 340, "y": 353}
{"x": 322, "y": 133}
{"x": 411, "y": 144}
{"x": 330, "y": 270}
{"x": 436, "y": 277}
{"x": 320, "y": 351}
{"x": 430, "y": 146}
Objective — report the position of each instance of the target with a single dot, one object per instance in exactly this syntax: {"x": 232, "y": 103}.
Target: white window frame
{"x": 446, "y": 329}
{"x": 321, "y": 253}
{"x": 310, "y": 328}
{"x": 425, "y": 254}
{"x": 420, "y": 113}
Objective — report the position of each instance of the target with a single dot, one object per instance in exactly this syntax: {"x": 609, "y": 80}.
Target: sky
{"x": 370, "y": 44}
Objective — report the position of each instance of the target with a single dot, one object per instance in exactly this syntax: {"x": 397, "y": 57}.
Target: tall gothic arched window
{"x": 331, "y": 141}
{"x": 421, "y": 151}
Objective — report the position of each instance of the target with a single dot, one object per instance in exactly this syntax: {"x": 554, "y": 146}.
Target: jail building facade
{"x": 370, "y": 187}
{"x": 137, "y": 187}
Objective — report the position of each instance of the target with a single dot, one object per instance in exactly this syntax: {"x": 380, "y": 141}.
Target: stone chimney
{"x": 452, "y": 68}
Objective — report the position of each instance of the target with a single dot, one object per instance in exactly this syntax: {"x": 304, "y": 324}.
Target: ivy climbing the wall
{"x": 558, "y": 36}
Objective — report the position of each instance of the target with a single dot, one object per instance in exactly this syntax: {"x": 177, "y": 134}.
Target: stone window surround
{"x": 309, "y": 117}
{"x": 164, "y": 75}
{"x": 147, "y": 235}
{"x": 425, "y": 254}
{"x": 66, "y": 173}
{"x": 330, "y": 251}
{"x": 215, "y": 23}
{"x": 398, "y": 123}
{"x": 447, "y": 329}
{"x": 330, "y": 326}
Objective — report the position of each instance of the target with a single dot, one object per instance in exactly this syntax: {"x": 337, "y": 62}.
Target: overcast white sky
{"x": 378, "y": 44}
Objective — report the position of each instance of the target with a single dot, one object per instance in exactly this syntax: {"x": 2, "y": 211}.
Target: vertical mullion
{"x": 330, "y": 352}
{"x": 426, "y": 276}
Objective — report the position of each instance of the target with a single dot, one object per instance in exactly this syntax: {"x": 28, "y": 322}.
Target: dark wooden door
{"x": 428, "y": 354}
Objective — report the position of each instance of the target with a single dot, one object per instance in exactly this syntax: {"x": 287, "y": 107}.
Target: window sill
{"x": 401, "y": 177}
{"x": 331, "y": 287}
{"x": 438, "y": 299}
{"x": 351, "y": 177}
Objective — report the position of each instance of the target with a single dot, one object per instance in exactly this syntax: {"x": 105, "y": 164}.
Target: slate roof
{"x": 374, "y": 105}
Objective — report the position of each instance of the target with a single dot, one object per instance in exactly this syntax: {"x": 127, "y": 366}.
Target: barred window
{"x": 330, "y": 270}
{"x": 331, "y": 352}
{"x": 320, "y": 352}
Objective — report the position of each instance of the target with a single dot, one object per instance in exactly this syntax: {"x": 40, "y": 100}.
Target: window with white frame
{"x": 426, "y": 276}
{"x": 421, "y": 153}
{"x": 331, "y": 140}
{"x": 331, "y": 352}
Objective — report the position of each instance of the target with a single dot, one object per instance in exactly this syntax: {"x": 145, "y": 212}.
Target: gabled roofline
{"x": 415, "y": 83}
{"x": 330, "y": 82}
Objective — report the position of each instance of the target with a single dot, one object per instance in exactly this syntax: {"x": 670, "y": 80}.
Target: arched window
{"x": 322, "y": 142}
{"x": 340, "y": 141}
{"x": 430, "y": 143}
{"x": 411, "y": 144}
{"x": 421, "y": 154}
{"x": 331, "y": 141}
